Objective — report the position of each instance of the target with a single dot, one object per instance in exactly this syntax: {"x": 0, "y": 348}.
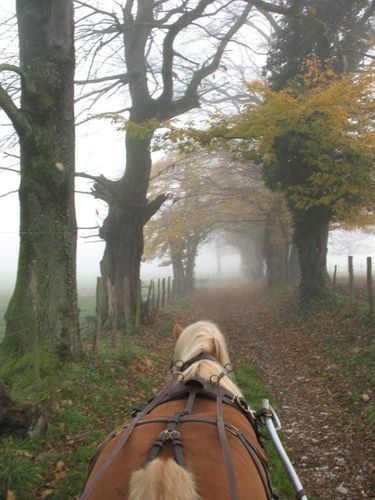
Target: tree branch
{"x": 10, "y": 169}
{"x": 190, "y": 98}
{"x": 16, "y": 116}
{"x": 124, "y": 77}
{"x": 8, "y": 193}
{"x": 277, "y": 9}
{"x": 154, "y": 206}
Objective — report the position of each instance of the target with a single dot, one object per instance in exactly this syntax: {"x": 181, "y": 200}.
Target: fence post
{"x": 138, "y": 304}
{"x": 334, "y": 276}
{"x": 163, "y": 293}
{"x": 351, "y": 278}
{"x": 109, "y": 294}
{"x": 98, "y": 319}
{"x": 114, "y": 317}
{"x": 369, "y": 288}
{"x": 126, "y": 304}
{"x": 158, "y": 295}
{"x": 147, "y": 303}
{"x": 153, "y": 293}
{"x": 169, "y": 290}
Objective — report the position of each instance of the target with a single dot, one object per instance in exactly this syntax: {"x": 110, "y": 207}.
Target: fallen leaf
{"x": 60, "y": 471}
{"x": 45, "y": 493}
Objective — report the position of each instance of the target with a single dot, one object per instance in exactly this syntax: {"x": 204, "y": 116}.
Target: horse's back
{"x": 201, "y": 448}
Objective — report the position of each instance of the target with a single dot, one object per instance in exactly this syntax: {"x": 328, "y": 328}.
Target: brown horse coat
{"x": 202, "y": 450}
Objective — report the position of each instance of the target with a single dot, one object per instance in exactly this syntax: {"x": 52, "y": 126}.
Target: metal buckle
{"x": 169, "y": 435}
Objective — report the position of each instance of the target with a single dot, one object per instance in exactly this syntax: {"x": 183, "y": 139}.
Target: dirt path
{"x": 332, "y": 457}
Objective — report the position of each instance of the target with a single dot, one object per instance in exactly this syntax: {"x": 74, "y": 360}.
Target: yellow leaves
{"x": 141, "y": 131}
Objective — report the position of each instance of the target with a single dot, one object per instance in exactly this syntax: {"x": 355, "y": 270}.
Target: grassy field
{"x": 347, "y": 336}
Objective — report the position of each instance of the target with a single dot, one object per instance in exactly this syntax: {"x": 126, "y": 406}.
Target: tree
{"x": 316, "y": 145}
{"x": 339, "y": 35}
{"x": 209, "y": 192}
{"x": 164, "y": 80}
{"x": 45, "y": 294}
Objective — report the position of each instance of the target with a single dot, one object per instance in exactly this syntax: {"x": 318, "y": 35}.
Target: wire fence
{"x": 356, "y": 280}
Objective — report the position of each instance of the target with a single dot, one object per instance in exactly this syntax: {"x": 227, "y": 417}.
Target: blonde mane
{"x": 204, "y": 336}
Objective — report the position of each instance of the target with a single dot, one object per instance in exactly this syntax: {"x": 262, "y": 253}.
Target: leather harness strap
{"x": 225, "y": 447}
{"x": 177, "y": 390}
{"x": 121, "y": 442}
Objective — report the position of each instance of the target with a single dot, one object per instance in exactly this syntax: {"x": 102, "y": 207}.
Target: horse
{"x": 196, "y": 440}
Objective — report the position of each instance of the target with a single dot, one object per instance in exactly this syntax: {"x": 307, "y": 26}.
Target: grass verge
{"x": 255, "y": 391}
{"x": 86, "y": 399}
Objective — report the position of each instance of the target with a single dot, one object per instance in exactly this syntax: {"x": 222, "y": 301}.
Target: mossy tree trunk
{"x": 311, "y": 229}
{"x": 45, "y": 293}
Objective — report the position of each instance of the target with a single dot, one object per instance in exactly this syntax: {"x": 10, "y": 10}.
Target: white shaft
{"x": 281, "y": 451}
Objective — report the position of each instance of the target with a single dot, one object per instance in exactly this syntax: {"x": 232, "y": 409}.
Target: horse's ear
{"x": 177, "y": 330}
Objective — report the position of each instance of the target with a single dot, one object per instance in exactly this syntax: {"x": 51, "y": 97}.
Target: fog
{"x": 100, "y": 149}
{"x": 342, "y": 243}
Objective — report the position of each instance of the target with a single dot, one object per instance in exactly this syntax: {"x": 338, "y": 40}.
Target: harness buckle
{"x": 169, "y": 435}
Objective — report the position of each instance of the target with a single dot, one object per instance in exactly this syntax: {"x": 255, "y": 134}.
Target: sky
{"x": 100, "y": 149}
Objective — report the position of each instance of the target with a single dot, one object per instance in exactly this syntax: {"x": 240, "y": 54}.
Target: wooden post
{"x": 158, "y": 295}
{"x": 138, "y": 307}
{"x": 98, "y": 319}
{"x": 370, "y": 293}
{"x": 109, "y": 295}
{"x": 126, "y": 305}
{"x": 147, "y": 303}
{"x": 169, "y": 290}
{"x": 334, "y": 276}
{"x": 114, "y": 317}
{"x": 351, "y": 278}
{"x": 153, "y": 292}
{"x": 173, "y": 294}
{"x": 163, "y": 293}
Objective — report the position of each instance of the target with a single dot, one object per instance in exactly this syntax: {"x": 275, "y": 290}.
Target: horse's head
{"x": 198, "y": 338}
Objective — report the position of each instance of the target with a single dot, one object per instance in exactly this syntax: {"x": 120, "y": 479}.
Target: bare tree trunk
{"x": 48, "y": 224}
{"x": 191, "y": 255}
{"x": 123, "y": 228}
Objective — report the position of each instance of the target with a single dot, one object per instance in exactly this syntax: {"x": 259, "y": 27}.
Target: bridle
{"x": 179, "y": 366}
